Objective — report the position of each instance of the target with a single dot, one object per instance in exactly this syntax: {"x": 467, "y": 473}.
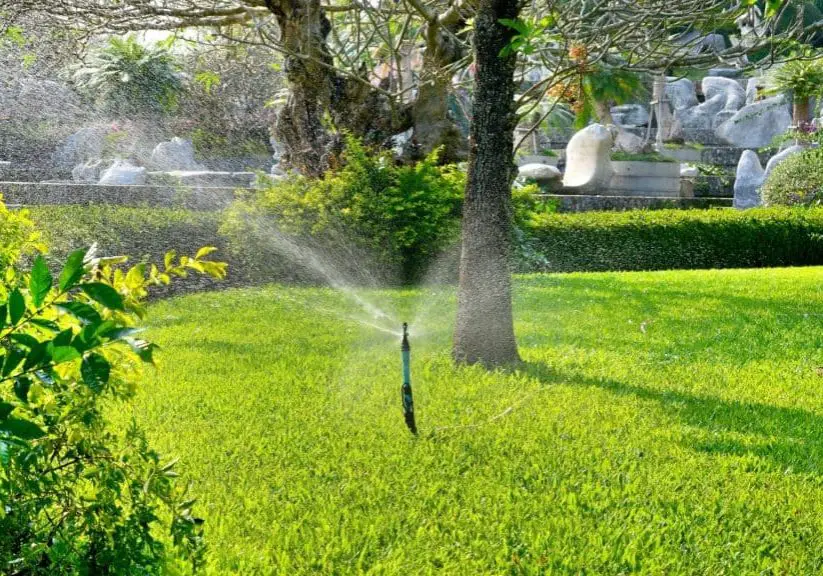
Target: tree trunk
{"x": 433, "y": 126}
{"x": 322, "y": 102}
{"x": 800, "y": 111}
{"x": 484, "y": 331}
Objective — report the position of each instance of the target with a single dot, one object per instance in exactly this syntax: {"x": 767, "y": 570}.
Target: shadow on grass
{"x": 790, "y": 439}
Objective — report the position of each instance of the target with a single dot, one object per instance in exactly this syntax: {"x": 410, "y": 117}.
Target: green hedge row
{"x": 675, "y": 239}
{"x": 593, "y": 241}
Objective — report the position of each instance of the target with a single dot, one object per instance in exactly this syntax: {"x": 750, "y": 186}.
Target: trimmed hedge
{"x": 676, "y": 239}
{"x": 591, "y": 241}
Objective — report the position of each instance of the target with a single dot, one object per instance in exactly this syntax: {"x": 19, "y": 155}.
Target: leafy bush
{"x": 676, "y": 239}
{"x": 128, "y": 78}
{"x": 18, "y": 236}
{"x": 76, "y": 495}
{"x": 401, "y": 216}
{"x": 797, "y": 181}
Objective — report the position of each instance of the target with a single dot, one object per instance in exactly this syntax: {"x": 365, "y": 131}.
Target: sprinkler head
{"x": 405, "y": 344}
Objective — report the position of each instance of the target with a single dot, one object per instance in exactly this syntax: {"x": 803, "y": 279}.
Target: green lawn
{"x": 663, "y": 423}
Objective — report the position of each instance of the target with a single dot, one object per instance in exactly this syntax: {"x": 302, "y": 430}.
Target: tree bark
{"x": 433, "y": 126}
{"x": 322, "y": 102}
{"x": 484, "y": 331}
{"x": 800, "y": 111}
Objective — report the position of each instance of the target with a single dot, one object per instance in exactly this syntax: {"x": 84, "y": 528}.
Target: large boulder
{"x": 681, "y": 94}
{"x": 752, "y": 88}
{"x": 538, "y": 172}
{"x": 751, "y": 176}
{"x": 588, "y": 159}
{"x": 756, "y": 125}
{"x": 86, "y": 144}
{"x": 749, "y": 179}
{"x": 123, "y": 173}
{"x": 629, "y": 142}
{"x": 89, "y": 172}
{"x": 711, "y": 43}
{"x": 733, "y": 94}
{"x": 177, "y": 154}
{"x": 696, "y": 124}
{"x": 630, "y": 115}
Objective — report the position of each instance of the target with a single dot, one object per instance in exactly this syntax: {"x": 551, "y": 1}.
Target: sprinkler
{"x": 406, "y": 390}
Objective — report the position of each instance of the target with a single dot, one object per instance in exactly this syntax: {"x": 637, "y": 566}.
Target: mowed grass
{"x": 662, "y": 423}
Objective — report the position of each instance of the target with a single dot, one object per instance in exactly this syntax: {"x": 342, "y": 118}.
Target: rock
{"x": 123, "y": 173}
{"x": 749, "y": 179}
{"x": 630, "y": 115}
{"x": 178, "y": 154}
{"x": 86, "y": 144}
{"x": 628, "y": 142}
{"x": 711, "y": 43}
{"x": 89, "y": 171}
{"x": 697, "y": 123}
{"x": 681, "y": 94}
{"x": 756, "y": 125}
{"x": 725, "y": 72}
{"x": 588, "y": 159}
{"x": 540, "y": 173}
{"x": 734, "y": 97}
{"x": 751, "y": 90}
{"x": 779, "y": 157}
{"x": 689, "y": 171}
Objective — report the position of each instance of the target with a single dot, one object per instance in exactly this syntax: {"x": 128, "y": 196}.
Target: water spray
{"x": 406, "y": 390}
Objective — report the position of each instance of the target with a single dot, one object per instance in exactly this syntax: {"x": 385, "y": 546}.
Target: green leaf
{"x": 47, "y": 324}
{"x": 39, "y": 281}
{"x": 5, "y": 410}
{"x": 26, "y": 340}
{"x": 13, "y": 359}
{"x": 17, "y": 306}
{"x": 73, "y": 270}
{"x": 20, "y": 428}
{"x": 104, "y": 294}
{"x": 61, "y": 354}
{"x": 64, "y": 338}
{"x": 204, "y": 251}
{"x": 83, "y": 312}
{"x": 95, "y": 371}
{"x": 21, "y": 388}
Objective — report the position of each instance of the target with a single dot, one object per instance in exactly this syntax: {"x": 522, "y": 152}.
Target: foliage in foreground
{"x": 676, "y": 239}
{"x": 663, "y": 423}
{"x": 797, "y": 181}
{"x": 76, "y": 496}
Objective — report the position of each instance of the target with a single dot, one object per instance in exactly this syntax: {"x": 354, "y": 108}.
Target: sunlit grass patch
{"x": 661, "y": 423}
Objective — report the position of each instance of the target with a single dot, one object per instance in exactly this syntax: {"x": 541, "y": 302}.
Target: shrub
{"x": 18, "y": 236}
{"x": 677, "y": 239}
{"x": 76, "y": 495}
{"x": 128, "y": 78}
{"x": 400, "y": 216}
{"x": 797, "y": 181}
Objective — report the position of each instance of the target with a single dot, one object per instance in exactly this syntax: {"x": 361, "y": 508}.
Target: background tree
{"x": 127, "y": 78}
